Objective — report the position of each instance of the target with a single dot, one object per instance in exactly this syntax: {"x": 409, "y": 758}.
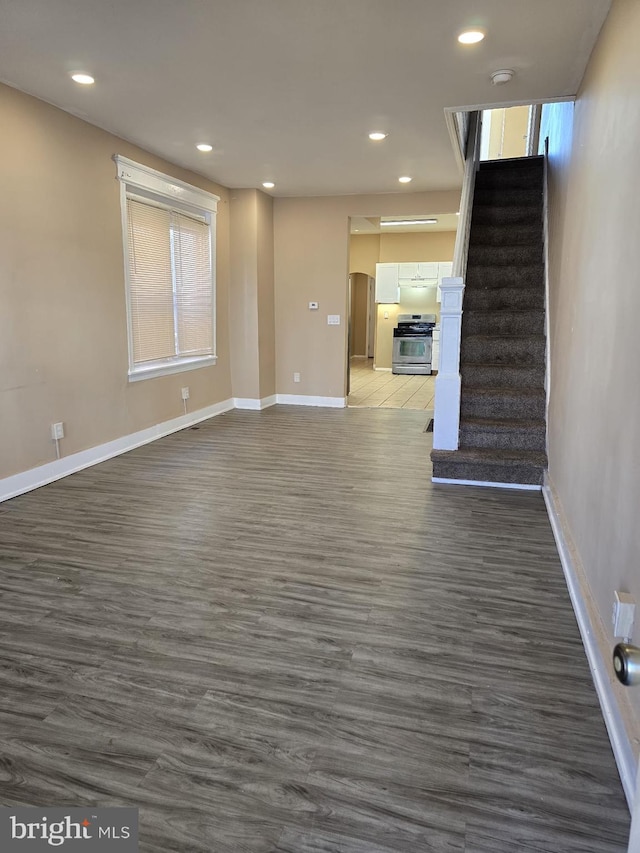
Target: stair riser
{"x": 518, "y": 474}
{"x": 511, "y": 256}
{"x": 494, "y": 299}
{"x": 503, "y": 323}
{"x": 473, "y": 406}
{"x": 507, "y": 216}
{"x": 502, "y": 376}
{"x": 507, "y": 197}
{"x": 503, "y": 351}
{"x": 505, "y": 235}
{"x": 531, "y": 275}
{"x": 515, "y": 438}
{"x": 510, "y": 179}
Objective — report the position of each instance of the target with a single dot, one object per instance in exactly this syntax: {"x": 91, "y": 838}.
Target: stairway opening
{"x": 510, "y": 132}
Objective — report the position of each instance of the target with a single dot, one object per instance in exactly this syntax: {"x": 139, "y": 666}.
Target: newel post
{"x": 446, "y": 418}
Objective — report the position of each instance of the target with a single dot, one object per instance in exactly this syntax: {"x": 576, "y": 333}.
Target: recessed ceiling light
{"x": 470, "y": 37}
{"x": 84, "y": 79}
{"x": 408, "y": 222}
{"x": 204, "y": 146}
{"x": 405, "y": 179}
{"x": 377, "y": 135}
{"x": 268, "y": 185}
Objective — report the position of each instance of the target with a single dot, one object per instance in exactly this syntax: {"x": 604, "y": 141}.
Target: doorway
{"x": 509, "y": 132}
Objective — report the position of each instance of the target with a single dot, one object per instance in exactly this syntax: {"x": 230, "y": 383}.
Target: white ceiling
{"x": 287, "y": 90}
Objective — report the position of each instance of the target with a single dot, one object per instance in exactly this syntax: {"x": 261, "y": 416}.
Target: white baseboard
{"x": 303, "y": 400}
{"x": 382, "y": 369}
{"x": 254, "y": 403}
{"x": 528, "y": 487}
{"x": 614, "y": 702}
{"x": 26, "y": 481}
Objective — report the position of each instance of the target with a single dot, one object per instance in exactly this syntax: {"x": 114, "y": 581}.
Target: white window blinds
{"x": 170, "y": 283}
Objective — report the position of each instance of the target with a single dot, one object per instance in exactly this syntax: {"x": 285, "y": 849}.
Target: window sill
{"x": 152, "y": 371}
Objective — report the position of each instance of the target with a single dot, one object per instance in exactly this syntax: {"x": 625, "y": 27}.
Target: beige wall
{"x": 243, "y": 298}
{"x": 63, "y": 339}
{"x": 312, "y": 264}
{"x": 411, "y": 248}
{"x": 364, "y": 253}
{"x": 266, "y": 297}
{"x": 251, "y": 313}
{"x": 594, "y": 414}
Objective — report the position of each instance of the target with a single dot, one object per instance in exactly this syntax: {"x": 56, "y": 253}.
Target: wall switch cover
{"x": 333, "y": 319}
{"x": 313, "y": 306}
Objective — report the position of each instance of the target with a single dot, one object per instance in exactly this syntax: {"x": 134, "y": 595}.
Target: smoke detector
{"x": 498, "y": 78}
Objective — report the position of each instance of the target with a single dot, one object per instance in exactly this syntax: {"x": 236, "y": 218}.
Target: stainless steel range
{"x": 412, "y": 339}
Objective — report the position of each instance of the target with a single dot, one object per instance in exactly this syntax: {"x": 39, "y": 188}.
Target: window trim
{"x": 137, "y": 179}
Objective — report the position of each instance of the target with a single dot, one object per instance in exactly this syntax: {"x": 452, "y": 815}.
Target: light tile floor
{"x": 373, "y": 388}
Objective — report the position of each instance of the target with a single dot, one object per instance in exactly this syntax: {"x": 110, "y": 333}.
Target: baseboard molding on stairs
{"x": 523, "y": 486}
{"x": 614, "y": 701}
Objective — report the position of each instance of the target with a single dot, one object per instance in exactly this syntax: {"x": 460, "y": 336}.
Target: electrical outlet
{"x": 333, "y": 319}
{"x": 185, "y": 392}
{"x": 296, "y": 377}
{"x": 57, "y": 431}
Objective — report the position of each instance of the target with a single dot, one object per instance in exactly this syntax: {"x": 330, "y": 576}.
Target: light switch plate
{"x": 333, "y": 319}
{"x": 313, "y": 306}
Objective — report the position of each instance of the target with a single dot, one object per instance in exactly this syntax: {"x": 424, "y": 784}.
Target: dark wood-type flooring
{"x": 272, "y": 634}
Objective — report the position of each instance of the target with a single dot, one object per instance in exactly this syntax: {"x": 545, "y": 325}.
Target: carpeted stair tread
{"x": 490, "y": 466}
{"x": 490, "y": 276}
{"x": 504, "y": 433}
{"x": 502, "y": 349}
{"x": 508, "y": 256}
{"x": 505, "y": 392}
{"x": 495, "y": 234}
{"x": 513, "y": 321}
{"x": 492, "y": 214}
{"x": 499, "y": 298}
{"x": 496, "y": 457}
{"x": 489, "y": 374}
{"x": 504, "y": 423}
{"x": 502, "y": 402}
{"x": 507, "y": 197}
{"x": 505, "y": 163}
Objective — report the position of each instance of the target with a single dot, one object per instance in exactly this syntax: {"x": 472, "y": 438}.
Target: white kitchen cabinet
{"x": 422, "y": 274}
{"x": 435, "y": 350}
{"x": 387, "y": 289}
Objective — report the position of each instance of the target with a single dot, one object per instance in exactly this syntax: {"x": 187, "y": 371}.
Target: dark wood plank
{"x": 272, "y": 634}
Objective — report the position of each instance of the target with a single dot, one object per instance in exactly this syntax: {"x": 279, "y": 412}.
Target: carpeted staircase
{"x": 502, "y": 355}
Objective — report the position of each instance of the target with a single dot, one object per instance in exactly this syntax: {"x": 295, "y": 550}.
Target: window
{"x": 169, "y": 249}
